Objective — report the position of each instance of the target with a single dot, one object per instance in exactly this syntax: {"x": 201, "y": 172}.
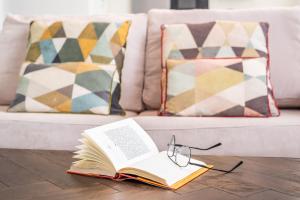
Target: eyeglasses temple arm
{"x": 214, "y": 146}
{"x": 220, "y": 170}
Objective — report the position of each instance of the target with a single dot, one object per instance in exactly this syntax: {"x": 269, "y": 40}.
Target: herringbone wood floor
{"x": 40, "y": 175}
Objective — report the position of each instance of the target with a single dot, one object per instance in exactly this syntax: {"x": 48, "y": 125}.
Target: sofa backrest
{"x": 284, "y": 43}
{"x": 141, "y": 84}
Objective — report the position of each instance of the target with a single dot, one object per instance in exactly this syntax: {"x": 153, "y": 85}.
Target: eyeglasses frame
{"x": 190, "y": 155}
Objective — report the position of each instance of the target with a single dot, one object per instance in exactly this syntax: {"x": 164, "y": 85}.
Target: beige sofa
{"x": 279, "y": 136}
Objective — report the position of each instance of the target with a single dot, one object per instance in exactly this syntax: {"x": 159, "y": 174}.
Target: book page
{"x": 163, "y": 169}
{"x": 128, "y": 141}
{"x": 123, "y": 142}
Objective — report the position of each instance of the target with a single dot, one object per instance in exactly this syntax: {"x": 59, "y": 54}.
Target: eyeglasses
{"x": 181, "y": 155}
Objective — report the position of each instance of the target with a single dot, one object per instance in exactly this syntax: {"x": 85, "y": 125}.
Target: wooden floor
{"x": 26, "y": 174}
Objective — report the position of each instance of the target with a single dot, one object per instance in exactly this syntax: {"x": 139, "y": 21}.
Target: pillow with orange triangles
{"x": 72, "y": 66}
{"x": 218, "y": 68}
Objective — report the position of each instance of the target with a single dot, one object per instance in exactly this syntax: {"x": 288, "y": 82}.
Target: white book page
{"x": 160, "y": 165}
{"x": 124, "y": 142}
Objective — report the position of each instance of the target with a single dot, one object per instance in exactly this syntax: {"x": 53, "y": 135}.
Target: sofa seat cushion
{"x": 277, "y": 136}
{"x": 154, "y": 122}
{"x": 239, "y": 136}
{"x": 47, "y": 131}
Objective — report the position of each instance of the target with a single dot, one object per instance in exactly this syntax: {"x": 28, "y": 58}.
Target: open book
{"x": 123, "y": 150}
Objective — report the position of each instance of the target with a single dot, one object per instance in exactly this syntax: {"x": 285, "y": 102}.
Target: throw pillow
{"x": 216, "y": 69}
{"x": 14, "y": 38}
{"x": 88, "y": 42}
{"x": 67, "y": 87}
{"x": 283, "y": 43}
{"x": 217, "y": 87}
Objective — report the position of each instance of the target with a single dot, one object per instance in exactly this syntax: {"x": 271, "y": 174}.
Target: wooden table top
{"x": 40, "y": 175}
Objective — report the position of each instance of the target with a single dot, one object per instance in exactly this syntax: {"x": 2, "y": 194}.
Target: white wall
{"x": 1, "y": 13}
{"x": 63, "y": 7}
{"x": 37, "y": 7}
{"x": 119, "y": 6}
{"x": 142, "y": 6}
{"x": 90, "y": 7}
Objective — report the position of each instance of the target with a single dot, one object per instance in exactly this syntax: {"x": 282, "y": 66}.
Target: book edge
{"x": 121, "y": 177}
{"x": 191, "y": 177}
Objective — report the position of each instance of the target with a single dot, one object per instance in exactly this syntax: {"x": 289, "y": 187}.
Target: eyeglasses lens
{"x": 183, "y": 155}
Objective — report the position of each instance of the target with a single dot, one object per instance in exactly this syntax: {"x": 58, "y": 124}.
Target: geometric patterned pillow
{"x": 77, "y": 41}
{"x": 217, "y": 87}
{"x": 217, "y": 68}
{"x": 67, "y": 87}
